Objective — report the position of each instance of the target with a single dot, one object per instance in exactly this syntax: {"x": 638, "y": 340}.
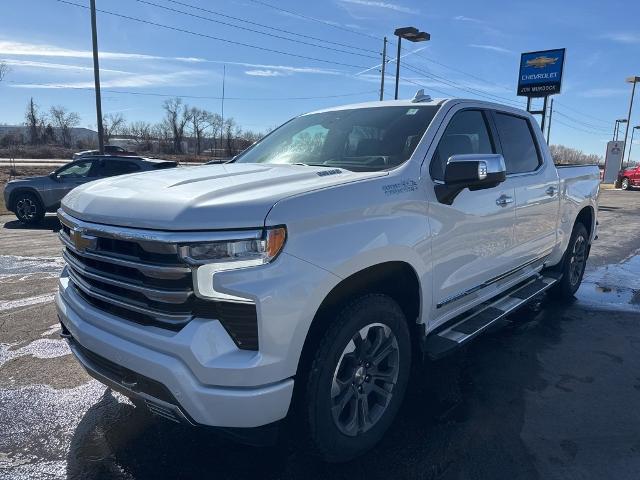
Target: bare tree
{"x": 214, "y": 122}
{"x": 112, "y": 124}
{"x": 141, "y": 132}
{"x": 565, "y": 155}
{"x": 4, "y": 69}
{"x": 200, "y": 120}
{"x": 177, "y": 115}
{"x": 230, "y": 127}
{"x": 35, "y": 122}
{"x": 64, "y": 121}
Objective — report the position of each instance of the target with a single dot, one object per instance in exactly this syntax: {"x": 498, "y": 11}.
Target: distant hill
{"x": 77, "y": 133}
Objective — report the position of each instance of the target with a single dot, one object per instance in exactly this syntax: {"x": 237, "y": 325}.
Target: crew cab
{"x": 629, "y": 177}
{"x": 304, "y": 278}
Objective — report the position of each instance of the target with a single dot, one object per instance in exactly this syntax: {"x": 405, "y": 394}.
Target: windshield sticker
{"x": 400, "y": 187}
{"x": 412, "y": 111}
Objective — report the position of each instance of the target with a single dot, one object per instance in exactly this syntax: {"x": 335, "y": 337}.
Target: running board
{"x": 468, "y": 326}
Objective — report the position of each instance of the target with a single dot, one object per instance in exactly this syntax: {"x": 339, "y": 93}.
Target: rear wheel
{"x": 358, "y": 378}
{"x": 29, "y": 209}
{"x": 625, "y": 184}
{"x": 573, "y": 264}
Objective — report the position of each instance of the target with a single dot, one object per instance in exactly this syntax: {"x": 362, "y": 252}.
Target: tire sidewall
{"x": 579, "y": 230}
{"x": 39, "y": 209}
{"x": 625, "y": 184}
{"x": 331, "y": 443}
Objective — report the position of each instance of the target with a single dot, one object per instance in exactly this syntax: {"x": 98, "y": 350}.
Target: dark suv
{"x": 30, "y": 198}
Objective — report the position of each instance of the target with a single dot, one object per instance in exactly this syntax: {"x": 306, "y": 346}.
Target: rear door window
{"x": 466, "y": 133}
{"x": 518, "y": 145}
{"x": 110, "y": 168}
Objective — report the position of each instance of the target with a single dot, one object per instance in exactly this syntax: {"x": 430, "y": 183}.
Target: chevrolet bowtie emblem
{"x": 541, "y": 62}
{"x": 81, "y": 241}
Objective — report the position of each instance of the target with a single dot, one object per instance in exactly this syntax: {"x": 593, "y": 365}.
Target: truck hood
{"x": 208, "y": 197}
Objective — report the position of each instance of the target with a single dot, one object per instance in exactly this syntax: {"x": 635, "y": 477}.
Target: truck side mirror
{"x": 472, "y": 171}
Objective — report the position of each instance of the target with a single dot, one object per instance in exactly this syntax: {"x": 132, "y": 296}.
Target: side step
{"x": 467, "y": 326}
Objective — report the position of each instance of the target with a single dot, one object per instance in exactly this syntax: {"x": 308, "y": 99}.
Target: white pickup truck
{"x": 302, "y": 279}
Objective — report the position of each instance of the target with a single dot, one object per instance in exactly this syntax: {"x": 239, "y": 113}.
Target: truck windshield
{"x": 362, "y": 139}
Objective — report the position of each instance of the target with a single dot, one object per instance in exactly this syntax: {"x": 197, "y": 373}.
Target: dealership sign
{"x": 541, "y": 73}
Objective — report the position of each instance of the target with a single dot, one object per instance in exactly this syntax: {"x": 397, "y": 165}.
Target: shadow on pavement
{"x": 462, "y": 419}
{"x": 49, "y": 222}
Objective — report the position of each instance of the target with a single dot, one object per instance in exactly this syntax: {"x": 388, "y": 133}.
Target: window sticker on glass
{"x": 412, "y": 111}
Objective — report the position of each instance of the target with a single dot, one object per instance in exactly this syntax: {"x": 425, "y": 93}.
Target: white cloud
{"x": 44, "y": 50}
{"x": 265, "y": 73}
{"x": 381, "y": 4}
{"x": 55, "y": 66}
{"x": 183, "y": 78}
{"x": 462, "y": 18}
{"x": 492, "y": 48}
{"x": 602, "y": 92}
{"x": 623, "y": 37}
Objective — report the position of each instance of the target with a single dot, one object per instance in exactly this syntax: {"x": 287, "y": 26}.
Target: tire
{"x": 573, "y": 264}
{"x": 347, "y": 375}
{"x": 28, "y": 208}
{"x": 625, "y": 185}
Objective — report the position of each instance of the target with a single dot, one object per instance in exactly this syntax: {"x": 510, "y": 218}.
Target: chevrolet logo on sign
{"x": 541, "y": 62}
{"x": 81, "y": 241}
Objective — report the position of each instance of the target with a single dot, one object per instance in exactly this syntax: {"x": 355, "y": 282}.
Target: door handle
{"x": 504, "y": 200}
{"x": 551, "y": 191}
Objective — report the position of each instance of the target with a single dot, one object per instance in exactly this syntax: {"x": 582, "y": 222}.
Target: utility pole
{"x": 96, "y": 74}
{"x": 549, "y": 125}
{"x": 224, "y": 76}
{"x": 398, "y": 67}
{"x": 384, "y": 64}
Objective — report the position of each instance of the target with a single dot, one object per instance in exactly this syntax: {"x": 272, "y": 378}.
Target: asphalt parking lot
{"x": 555, "y": 393}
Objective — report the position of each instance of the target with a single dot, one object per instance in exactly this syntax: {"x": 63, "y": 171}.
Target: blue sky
{"x": 474, "y": 51}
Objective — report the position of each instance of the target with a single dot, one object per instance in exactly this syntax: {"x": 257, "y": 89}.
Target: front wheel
{"x": 358, "y": 378}
{"x": 625, "y": 185}
{"x": 28, "y": 208}
{"x": 574, "y": 263}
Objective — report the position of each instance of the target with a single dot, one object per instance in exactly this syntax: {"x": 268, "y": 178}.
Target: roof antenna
{"x": 420, "y": 96}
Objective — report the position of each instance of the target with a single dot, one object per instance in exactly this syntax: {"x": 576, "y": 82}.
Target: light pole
{"x": 96, "y": 76}
{"x": 631, "y": 144}
{"x": 632, "y": 80}
{"x": 413, "y": 35}
{"x": 615, "y": 130}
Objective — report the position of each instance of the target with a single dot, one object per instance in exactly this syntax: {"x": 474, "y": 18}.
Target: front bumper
{"x": 210, "y": 381}
{"x": 186, "y": 398}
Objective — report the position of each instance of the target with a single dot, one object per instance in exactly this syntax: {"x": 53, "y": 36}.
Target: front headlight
{"x": 210, "y": 258}
{"x": 245, "y": 252}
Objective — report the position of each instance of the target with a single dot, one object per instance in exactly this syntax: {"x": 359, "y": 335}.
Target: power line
{"x": 253, "y": 30}
{"x": 584, "y": 124}
{"x": 604, "y": 122}
{"x": 458, "y": 86}
{"x": 289, "y": 32}
{"x": 211, "y": 37}
{"x": 578, "y": 128}
{"x": 197, "y": 97}
{"x": 324, "y": 22}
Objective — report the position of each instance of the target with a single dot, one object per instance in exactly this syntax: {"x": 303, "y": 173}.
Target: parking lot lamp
{"x": 631, "y": 144}
{"x": 413, "y": 35}
{"x": 632, "y": 80}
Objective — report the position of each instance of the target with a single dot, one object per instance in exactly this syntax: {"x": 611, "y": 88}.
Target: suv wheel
{"x": 625, "y": 185}
{"x": 573, "y": 264}
{"x": 358, "y": 378}
{"x": 29, "y": 210}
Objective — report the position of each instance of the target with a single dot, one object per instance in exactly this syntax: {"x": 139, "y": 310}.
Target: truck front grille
{"x": 144, "y": 280}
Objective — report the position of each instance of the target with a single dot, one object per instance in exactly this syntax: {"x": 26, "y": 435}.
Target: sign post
{"x": 540, "y": 76}
{"x": 612, "y": 161}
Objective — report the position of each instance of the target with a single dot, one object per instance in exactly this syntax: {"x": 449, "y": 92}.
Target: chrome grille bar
{"x": 169, "y": 296}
